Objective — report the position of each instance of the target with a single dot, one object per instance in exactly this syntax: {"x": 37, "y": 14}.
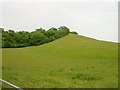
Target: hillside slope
{"x": 72, "y": 61}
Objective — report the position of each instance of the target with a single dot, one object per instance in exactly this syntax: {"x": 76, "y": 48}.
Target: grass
{"x": 70, "y": 62}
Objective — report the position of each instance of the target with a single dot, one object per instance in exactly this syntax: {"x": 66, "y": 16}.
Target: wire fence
{"x": 10, "y": 84}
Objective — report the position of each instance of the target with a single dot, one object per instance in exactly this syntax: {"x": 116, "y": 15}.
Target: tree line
{"x": 12, "y": 39}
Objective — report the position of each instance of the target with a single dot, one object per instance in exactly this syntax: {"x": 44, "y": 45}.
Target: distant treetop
{"x": 12, "y": 39}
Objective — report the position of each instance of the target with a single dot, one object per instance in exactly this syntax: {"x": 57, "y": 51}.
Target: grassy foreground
{"x": 70, "y": 62}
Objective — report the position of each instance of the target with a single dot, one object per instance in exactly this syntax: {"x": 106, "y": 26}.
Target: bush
{"x": 12, "y": 39}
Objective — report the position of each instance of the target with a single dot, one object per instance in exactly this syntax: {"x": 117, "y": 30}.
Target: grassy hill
{"x": 70, "y": 62}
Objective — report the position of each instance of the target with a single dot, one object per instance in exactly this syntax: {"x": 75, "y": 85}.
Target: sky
{"x": 92, "y": 18}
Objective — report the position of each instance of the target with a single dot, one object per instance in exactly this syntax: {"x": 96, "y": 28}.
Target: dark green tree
{"x": 12, "y": 39}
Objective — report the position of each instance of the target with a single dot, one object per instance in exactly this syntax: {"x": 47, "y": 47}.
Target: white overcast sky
{"x": 92, "y": 18}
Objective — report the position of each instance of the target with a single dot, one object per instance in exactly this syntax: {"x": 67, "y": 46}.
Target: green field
{"x": 70, "y": 62}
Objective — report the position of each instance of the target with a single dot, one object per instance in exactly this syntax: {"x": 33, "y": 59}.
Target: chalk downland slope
{"x": 70, "y": 62}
